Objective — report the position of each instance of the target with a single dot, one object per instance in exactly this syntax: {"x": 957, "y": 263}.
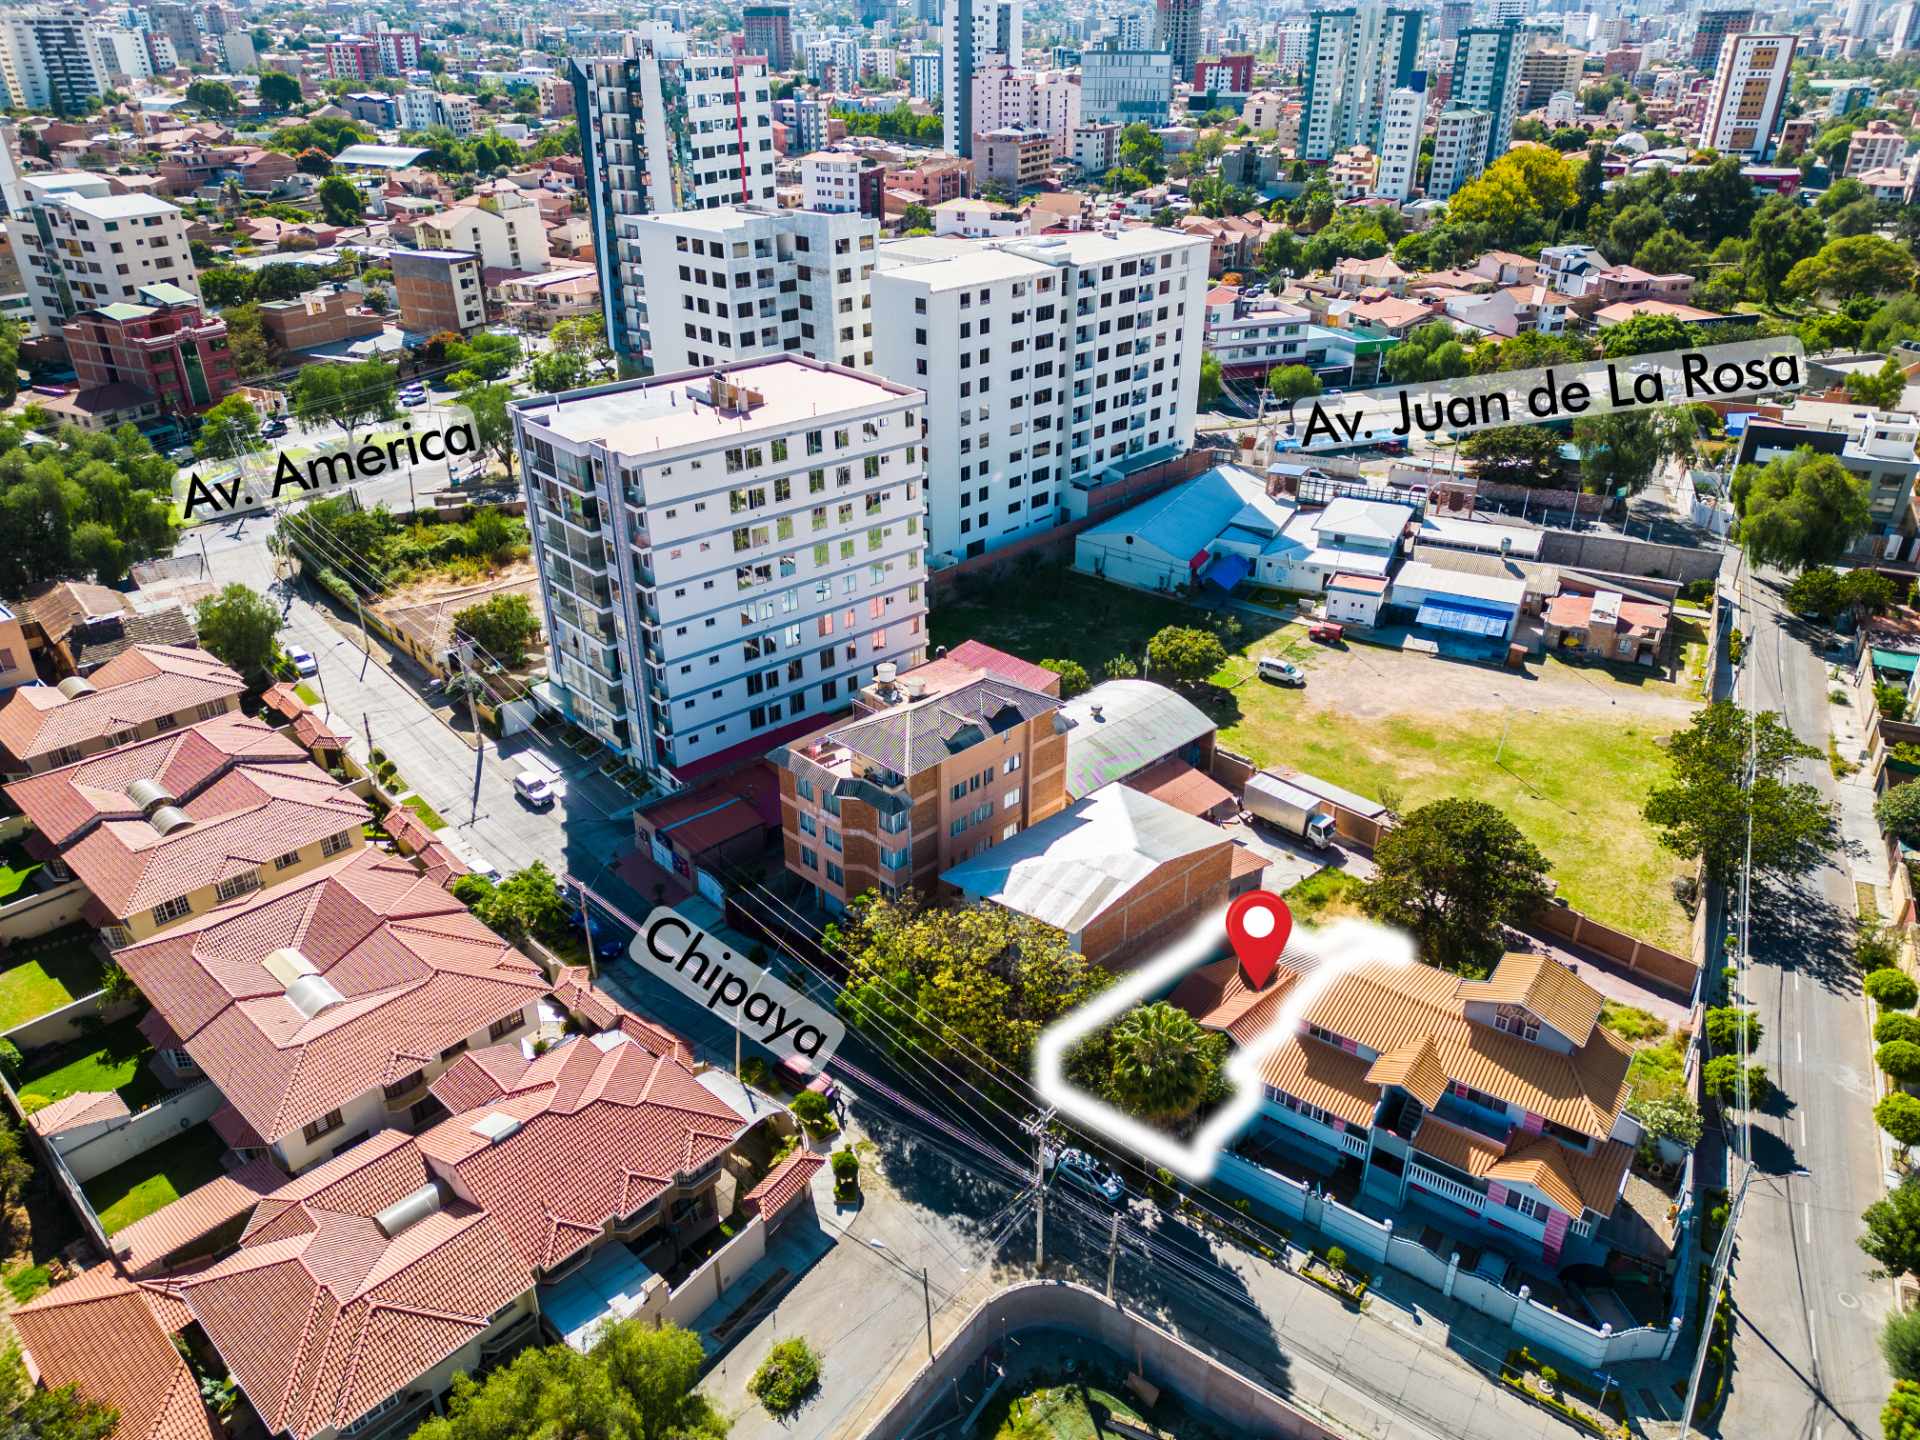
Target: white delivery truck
{"x": 1273, "y": 800}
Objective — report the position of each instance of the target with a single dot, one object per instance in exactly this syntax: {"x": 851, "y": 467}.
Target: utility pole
{"x": 1037, "y": 1127}
{"x": 471, "y": 678}
{"x": 367, "y": 720}
{"x": 1113, "y": 1252}
{"x": 321, "y": 675}
{"x": 205, "y": 559}
{"x": 926, "y": 1294}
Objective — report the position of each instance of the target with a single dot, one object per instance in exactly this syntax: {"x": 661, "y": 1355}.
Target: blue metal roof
{"x": 1462, "y": 619}
{"x": 1226, "y": 571}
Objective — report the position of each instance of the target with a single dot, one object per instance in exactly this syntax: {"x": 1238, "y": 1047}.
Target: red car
{"x": 1327, "y": 634}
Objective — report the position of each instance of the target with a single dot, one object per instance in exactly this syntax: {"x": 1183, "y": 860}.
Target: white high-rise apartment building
{"x": 79, "y": 246}
{"x": 723, "y": 553}
{"x": 52, "y": 59}
{"x": 1459, "y": 150}
{"x": 422, "y": 109}
{"x": 124, "y": 52}
{"x": 1487, "y": 68}
{"x": 1742, "y": 114}
{"x": 1400, "y": 134}
{"x": 730, "y": 284}
{"x": 1292, "y": 39}
{"x": 663, "y": 130}
{"x": 1051, "y": 364}
{"x": 1005, "y": 98}
{"x": 1355, "y": 59}
{"x": 830, "y": 182}
{"x": 926, "y": 75}
{"x": 973, "y": 32}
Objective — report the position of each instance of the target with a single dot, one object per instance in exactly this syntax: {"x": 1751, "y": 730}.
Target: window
{"x": 833, "y": 839}
{"x": 334, "y": 844}
{"x": 1516, "y": 1020}
{"x": 234, "y": 886}
{"x": 505, "y": 1026}
{"x": 173, "y": 909}
{"x": 287, "y": 861}
{"x": 803, "y": 788}
{"x": 809, "y": 859}
{"x": 314, "y": 1129}
{"x": 1010, "y": 799}
{"x": 835, "y": 875}
{"x": 1525, "y": 1204}
{"x": 1013, "y": 764}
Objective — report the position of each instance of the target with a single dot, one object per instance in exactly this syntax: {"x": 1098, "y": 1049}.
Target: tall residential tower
{"x": 1356, "y": 58}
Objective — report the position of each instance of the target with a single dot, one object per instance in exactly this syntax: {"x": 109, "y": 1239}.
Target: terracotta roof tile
{"x": 99, "y": 1333}
{"x": 1415, "y": 1067}
{"x": 251, "y": 793}
{"x": 84, "y": 1107}
{"x": 144, "y": 1246}
{"x": 1544, "y": 986}
{"x": 140, "y": 685}
{"x": 783, "y": 1185}
{"x": 411, "y": 970}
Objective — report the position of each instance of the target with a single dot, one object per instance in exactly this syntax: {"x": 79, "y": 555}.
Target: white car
{"x": 1089, "y": 1174}
{"x": 484, "y": 868}
{"x": 1280, "y": 672}
{"x": 534, "y": 788}
{"x": 302, "y": 660}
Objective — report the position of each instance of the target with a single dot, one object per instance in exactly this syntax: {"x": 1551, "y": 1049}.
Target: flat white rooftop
{"x": 673, "y": 412}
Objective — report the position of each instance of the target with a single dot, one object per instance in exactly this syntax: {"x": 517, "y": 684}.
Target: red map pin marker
{"x": 1258, "y": 924}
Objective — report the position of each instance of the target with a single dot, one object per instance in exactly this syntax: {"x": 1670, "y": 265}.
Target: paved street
{"x": 428, "y": 743}
{"x": 1807, "y": 1361}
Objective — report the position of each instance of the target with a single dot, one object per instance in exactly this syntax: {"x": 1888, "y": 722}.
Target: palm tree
{"x": 1164, "y": 1064}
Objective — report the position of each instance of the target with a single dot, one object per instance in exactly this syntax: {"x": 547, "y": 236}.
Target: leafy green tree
{"x": 1454, "y": 874}
{"x": 1892, "y": 1237}
{"x": 945, "y": 983}
{"x": 1144, "y": 151}
{"x": 30, "y": 1412}
{"x": 1703, "y": 810}
{"x": 789, "y": 1374}
{"x": 503, "y": 626}
{"x": 1897, "y": 320}
{"x": 90, "y": 502}
{"x": 1899, "y": 1115}
{"x": 1164, "y": 1065}
{"x": 340, "y": 202}
{"x": 1853, "y": 265}
{"x": 1644, "y": 335}
{"x": 1801, "y": 509}
{"x": 637, "y": 1383}
{"x": 1210, "y": 383}
{"x": 1900, "y": 1416}
{"x": 1900, "y": 1333}
{"x": 1430, "y": 352}
{"x": 9, "y": 361}
{"x": 1291, "y": 383}
{"x": 1888, "y": 987}
{"x": 1668, "y": 252}
{"x": 1897, "y": 812}
{"x": 916, "y": 217}
{"x": 1783, "y": 234}
{"x": 1815, "y": 591}
{"x": 239, "y": 627}
{"x": 1514, "y": 455}
{"x": 1073, "y": 676}
{"x": 486, "y": 355}
{"x": 16, "y": 1169}
{"x": 1671, "y": 1117}
{"x": 526, "y": 902}
{"x": 228, "y": 429}
{"x": 1726, "y": 1024}
{"x": 1722, "y": 1079}
{"x": 1280, "y": 251}
{"x": 278, "y": 90}
{"x": 1618, "y": 451}
{"x": 492, "y": 425}
{"x": 216, "y": 97}
{"x": 1880, "y": 390}
{"x": 1866, "y": 592}
{"x": 1529, "y": 350}
{"x": 1186, "y": 656}
{"x": 554, "y": 371}
{"x": 314, "y": 161}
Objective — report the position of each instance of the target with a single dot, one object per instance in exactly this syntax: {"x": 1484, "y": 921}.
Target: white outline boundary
{"x": 1321, "y": 957}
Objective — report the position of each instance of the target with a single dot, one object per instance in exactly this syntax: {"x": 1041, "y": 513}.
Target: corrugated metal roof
{"x": 1140, "y": 722}
{"x": 1070, "y": 868}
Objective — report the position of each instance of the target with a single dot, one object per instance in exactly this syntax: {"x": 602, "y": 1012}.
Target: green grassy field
{"x": 119, "y": 1062}
{"x": 162, "y": 1175}
{"x": 46, "y": 975}
{"x": 1325, "y": 895}
{"x": 16, "y": 868}
{"x": 429, "y": 816}
{"x": 1574, "y": 783}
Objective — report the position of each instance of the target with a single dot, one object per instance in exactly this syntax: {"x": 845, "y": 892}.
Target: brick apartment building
{"x": 934, "y": 766}
{"x": 189, "y": 167}
{"x": 166, "y": 347}
{"x": 439, "y": 290}
{"x": 323, "y": 316}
